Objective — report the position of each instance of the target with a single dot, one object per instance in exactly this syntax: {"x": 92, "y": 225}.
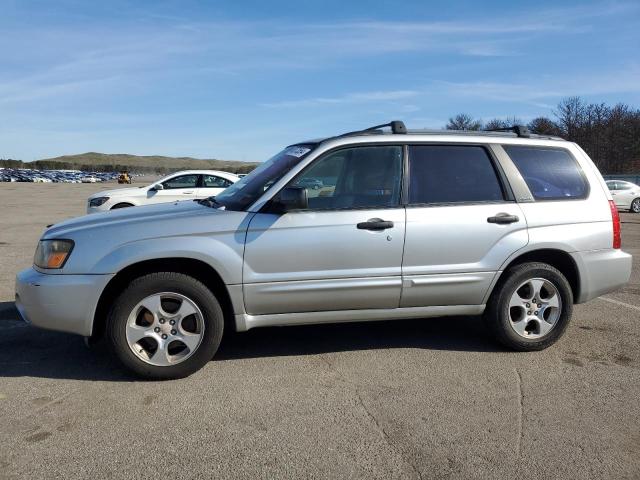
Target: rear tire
{"x": 635, "y": 206}
{"x": 518, "y": 322}
{"x": 165, "y": 325}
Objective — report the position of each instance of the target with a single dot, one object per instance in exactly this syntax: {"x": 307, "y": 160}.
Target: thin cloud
{"x": 351, "y": 98}
{"x": 90, "y": 52}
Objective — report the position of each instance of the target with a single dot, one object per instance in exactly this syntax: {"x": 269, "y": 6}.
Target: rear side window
{"x": 452, "y": 174}
{"x": 551, "y": 174}
{"x": 212, "y": 181}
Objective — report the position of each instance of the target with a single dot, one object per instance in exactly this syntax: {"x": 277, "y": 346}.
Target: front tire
{"x": 531, "y": 307}
{"x": 165, "y": 325}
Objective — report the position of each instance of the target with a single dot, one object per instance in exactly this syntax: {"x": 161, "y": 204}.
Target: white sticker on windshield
{"x": 297, "y": 151}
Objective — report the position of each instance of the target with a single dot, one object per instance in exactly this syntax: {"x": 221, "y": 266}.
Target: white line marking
{"x": 618, "y": 302}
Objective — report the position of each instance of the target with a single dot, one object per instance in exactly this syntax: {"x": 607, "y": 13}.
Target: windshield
{"x": 248, "y": 189}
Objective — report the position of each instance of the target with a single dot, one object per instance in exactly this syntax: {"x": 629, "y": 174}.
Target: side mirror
{"x": 157, "y": 186}
{"x": 293, "y": 198}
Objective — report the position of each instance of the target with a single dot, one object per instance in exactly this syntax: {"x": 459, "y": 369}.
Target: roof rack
{"x": 398, "y": 127}
{"x": 519, "y": 130}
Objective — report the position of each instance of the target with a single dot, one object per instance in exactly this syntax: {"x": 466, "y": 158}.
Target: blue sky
{"x": 238, "y": 80}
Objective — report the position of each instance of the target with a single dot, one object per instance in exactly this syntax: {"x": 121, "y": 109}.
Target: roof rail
{"x": 397, "y": 126}
{"x": 519, "y": 130}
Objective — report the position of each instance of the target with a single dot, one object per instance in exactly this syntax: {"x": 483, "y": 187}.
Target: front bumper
{"x": 601, "y": 271}
{"x": 66, "y": 303}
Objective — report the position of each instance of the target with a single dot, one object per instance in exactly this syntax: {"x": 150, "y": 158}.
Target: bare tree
{"x": 496, "y": 123}
{"x": 462, "y": 121}
{"x": 544, "y": 126}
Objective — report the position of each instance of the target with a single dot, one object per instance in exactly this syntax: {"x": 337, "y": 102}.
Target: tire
{"x": 518, "y": 323}
{"x": 197, "y": 320}
{"x": 121, "y": 205}
{"x": 635, "y": 206}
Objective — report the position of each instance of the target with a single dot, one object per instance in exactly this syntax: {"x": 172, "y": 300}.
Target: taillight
{"x": 615, "y": 219}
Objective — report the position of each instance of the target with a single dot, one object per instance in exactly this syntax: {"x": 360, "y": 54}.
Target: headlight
{"x": 96, "y": 202}
{"x": 52, "y": 253}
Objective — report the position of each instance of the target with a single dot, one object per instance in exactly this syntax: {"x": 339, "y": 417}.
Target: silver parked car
{"x": 408, "y": 224}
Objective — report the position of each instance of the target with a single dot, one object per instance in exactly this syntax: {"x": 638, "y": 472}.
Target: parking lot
{"x": 429, "y": 398}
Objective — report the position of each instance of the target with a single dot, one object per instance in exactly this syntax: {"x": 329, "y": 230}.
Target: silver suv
{"x": 403, "y": 224}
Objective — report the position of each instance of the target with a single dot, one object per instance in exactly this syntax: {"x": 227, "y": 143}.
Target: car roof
{"x": 202, "y": 172}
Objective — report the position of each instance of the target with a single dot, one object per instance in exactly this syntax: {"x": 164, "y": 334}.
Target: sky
{"x": 240, "y": 80}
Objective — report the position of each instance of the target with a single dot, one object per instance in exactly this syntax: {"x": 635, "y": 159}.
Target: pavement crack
{"x": 520, "y": 414}
{"x": 385, "y": 435}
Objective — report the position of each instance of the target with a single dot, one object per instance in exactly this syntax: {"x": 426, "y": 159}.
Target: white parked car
{"x": 626, "y": 195}
{"x": 185, "y": 185}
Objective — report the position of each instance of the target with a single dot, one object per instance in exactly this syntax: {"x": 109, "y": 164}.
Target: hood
{"x": 107, "y": 242}
{"x": 122, "y": 192}
{"x": 126, "y": 217}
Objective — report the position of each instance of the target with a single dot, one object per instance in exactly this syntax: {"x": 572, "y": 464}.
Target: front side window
{"x": 452, "y": 174}
{"x": 550, "y": 173}
{"x": 182, "y": 181}
{"x": 213, "y": 181}
{"x": 249, "y": 189}
{"x": 358, "y": 177}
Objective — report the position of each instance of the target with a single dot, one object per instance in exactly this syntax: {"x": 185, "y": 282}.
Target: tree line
{"x": 609, "y": 134}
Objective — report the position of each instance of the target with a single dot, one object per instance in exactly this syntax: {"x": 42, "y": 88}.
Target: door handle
{"x": 503, "y": 218}
{"x": 376, "y": 224}
{"x": 187, "y": 191}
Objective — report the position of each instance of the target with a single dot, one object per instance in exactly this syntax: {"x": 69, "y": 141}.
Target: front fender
{"x": 224, "y": 256}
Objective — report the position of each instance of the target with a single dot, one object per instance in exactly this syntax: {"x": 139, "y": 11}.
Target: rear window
{"x": 452, "y": 174}
{"x": 550, "y": 173}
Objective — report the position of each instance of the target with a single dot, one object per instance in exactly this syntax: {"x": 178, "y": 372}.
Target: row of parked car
{"x": 54, "y": 176}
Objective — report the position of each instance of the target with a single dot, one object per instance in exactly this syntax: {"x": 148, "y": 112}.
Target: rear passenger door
{"x": 462, "y": 225}
{"x": 212, "y": 185}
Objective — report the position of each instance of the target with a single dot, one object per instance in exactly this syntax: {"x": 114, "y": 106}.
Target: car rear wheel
{"x": 531, "y": 307}
{"x": 165, "y": 325}
{"x": 635, "y": 206}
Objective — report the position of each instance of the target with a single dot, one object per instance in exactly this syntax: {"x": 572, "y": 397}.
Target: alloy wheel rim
{"x": 635, "y": 206}
{"x": 165, "y": 329}
{"x": 534, "y": 308}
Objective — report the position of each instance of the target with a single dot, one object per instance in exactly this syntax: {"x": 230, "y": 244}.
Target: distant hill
{"x": 135, "y": 163}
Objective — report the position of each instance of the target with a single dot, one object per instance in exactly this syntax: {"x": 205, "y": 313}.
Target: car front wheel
{"x": 165, "y": 325}
{"x": 531, "y": 307}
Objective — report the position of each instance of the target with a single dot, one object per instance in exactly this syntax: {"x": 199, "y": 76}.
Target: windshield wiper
{"x": 210, "y": 202}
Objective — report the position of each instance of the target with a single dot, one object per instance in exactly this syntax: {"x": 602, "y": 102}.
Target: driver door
{"x": 344, "y": 252}
{"x": 182, "y": 187}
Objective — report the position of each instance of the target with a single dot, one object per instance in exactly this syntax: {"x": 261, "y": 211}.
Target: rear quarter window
{"x": 550, "y": 173}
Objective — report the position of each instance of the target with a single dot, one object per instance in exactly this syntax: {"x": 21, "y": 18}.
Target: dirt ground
{"x": 429, "y": 398}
